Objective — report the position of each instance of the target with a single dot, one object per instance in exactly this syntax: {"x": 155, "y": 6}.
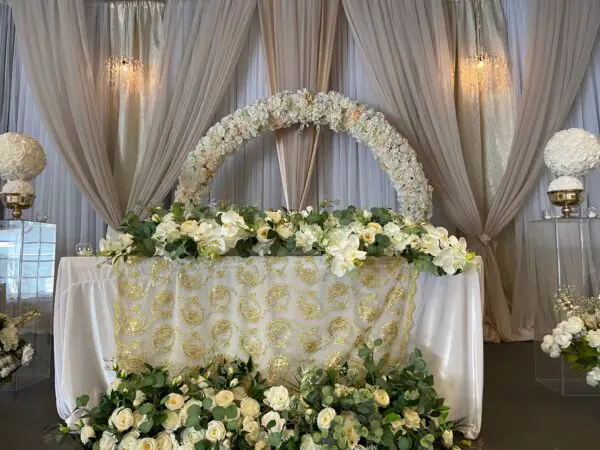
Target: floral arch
{"x": 287, "y": 108}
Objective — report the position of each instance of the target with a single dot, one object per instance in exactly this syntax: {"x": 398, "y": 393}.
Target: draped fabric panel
{"x": 134, "y": 29}
{"x": 562, "y": 38}
{"x": 53, "y": 43}
{"x": 585, "y": 113}
{"x": 298, "y": 41}
{"x": 203, "y": 41}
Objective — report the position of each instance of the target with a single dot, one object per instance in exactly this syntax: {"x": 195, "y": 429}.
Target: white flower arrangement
{"x": 345, "y": 237}
{"x": 21, "y": 157}
{"x": 303, "y": 107}
{"x": 573, "y": 152}
{"x": 333, "y": 409}
{"x": 565, "y": 183}
{"x": 14, "y": 352}
{"x": 577, "y": 338}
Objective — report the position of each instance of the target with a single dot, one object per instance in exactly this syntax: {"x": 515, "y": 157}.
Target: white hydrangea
{"x": 565, "y": 183}
{"x": 593, "y": 377}
{"x": 593, "y": 338}
{"x": 303, "y": 107}
{"x": 573, "y": 152}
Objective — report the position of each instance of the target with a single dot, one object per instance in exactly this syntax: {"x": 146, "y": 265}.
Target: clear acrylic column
{"x": 564, "y": 256}
{"x": 27, "y": 253}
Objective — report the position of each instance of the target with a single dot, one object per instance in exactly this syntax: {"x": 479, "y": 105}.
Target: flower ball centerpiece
{"x": 21, "y": 159}
{"x": 570, "y": 154}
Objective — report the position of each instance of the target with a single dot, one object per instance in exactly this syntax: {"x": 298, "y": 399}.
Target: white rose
{"x": 121, "y": 419}
{"x": 140, "y": 397}
{"x": 381, "y": 397}
{"x": 108, "y": 441}
{"x": 249, "y": 425}
{"x": 574, "y": 325}
{"x": 261, "y": 445}
{"x": 308, "y": 443}
{"x": 412, "y": 419}
{"x": 273, "y": 416}
{"x": 377, "y": 228}
{"x": 129, "y": 441}
{"x": 239, "y": 393}
{"x": 325, "y": 418}
{"x": 368, "y": 235}
{"x": 285, "y": 230}
{"x": 233, "y": 383}
{"x": 86, "y": 434}
{"x": 189, "y": 228}
{"x": 191, "y": 436}
{"x": 277, "y": 398}
{"x": 172, "y": 421}
{"x": 147, "y": 444}
{"x": 250, "y": 407}
{"x": 186, "y": 447}
{"x": 215, "y": 431}
{"x": 224, "y": 398}
{"x": 275, "y": 216}
{"x": 447, "y": 438}
{"x": 262, "y": 233}
{"x": 175, "y": 401}
{"x": 166, "y": 441}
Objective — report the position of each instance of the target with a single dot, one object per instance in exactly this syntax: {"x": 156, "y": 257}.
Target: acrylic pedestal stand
{"x": 563, "y": 256}
{"x": 27, "y": 253}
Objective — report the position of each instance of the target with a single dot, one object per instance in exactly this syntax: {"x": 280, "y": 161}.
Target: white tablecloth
{"x": 447, "y": 327}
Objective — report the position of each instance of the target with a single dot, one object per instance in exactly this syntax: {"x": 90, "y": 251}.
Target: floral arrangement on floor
{"x": 14, "y": 352}
{"x": 577, "y": 339}
{"x": 228, "y": 405}
{"x": 346, "y": 236}
{"x": 304, "y": 107}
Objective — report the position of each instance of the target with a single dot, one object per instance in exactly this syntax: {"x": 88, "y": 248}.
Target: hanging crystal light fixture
{"x": 124, "y": 72}
{"x": 483, "y": 69}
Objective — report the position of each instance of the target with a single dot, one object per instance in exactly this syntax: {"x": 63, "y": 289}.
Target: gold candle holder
{"x": 566, "y": 199}
{"x": 17, "y": 202}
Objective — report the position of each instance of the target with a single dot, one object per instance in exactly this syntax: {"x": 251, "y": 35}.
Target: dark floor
{"x": 518, "y": 413}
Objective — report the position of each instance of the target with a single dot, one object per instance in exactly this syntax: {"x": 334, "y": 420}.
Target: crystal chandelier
{"x": 483, "y": 69}
{"x": 124, "y": 72}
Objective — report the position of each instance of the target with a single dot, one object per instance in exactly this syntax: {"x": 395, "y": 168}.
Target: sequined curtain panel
{"x": 281, "y": 311}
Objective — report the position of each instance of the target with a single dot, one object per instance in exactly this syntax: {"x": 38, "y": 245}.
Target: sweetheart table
{"x": 282, "y": 311}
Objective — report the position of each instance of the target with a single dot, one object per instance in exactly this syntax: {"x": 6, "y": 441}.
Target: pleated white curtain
{"x": 585, "y": 113}
{"x": 345, "y": 170}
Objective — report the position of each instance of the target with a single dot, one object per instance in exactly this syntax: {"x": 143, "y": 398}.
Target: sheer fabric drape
{"x": 421, "y": 99}
{"x": 298, "y": 41}
{"x": 585, "y": 113}
{"x": 53, "y": 43}
{"x": 203, "y": 41}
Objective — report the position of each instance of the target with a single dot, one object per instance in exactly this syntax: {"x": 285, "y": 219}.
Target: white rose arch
{"x": 304, "y": 107}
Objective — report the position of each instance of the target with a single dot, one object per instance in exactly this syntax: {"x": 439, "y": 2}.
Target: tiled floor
{"x": 518, "y": 413}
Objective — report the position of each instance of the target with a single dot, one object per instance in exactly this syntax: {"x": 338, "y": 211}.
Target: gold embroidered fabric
{"x": 281, "y": 311}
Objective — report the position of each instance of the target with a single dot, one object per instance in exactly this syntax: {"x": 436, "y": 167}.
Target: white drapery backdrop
{"x": 585, "y": 113}
{"x": 253, "y": 176}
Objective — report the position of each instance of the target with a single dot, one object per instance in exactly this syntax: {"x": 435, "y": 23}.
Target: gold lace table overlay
{"x": 281, "y": 311}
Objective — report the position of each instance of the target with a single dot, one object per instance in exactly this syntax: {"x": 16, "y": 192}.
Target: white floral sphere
{"x": 572, "y": 152}
{"x": 565, "y": 183}
{"x": 21, "y": 157}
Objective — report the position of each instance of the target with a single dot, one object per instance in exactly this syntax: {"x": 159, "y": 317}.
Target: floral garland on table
{"x": 228, "y": 405}
{"x": 14, "y": 352}
{"x": 577, "y": 339}
{"x": 304, "y": 107}
{"x": 346, "y": 236}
